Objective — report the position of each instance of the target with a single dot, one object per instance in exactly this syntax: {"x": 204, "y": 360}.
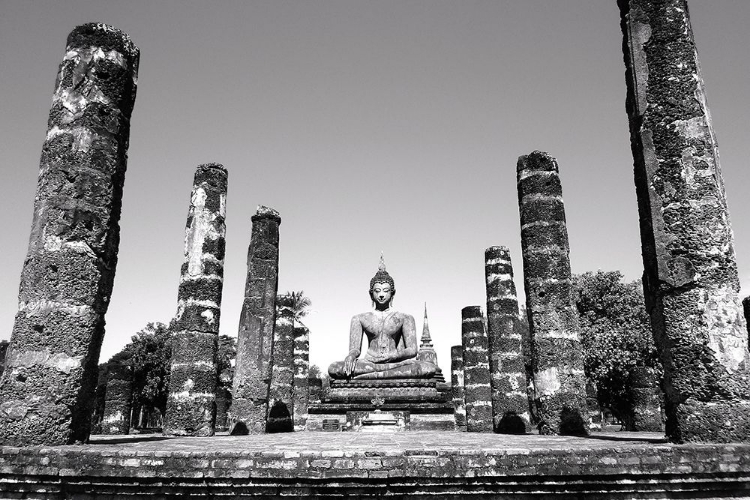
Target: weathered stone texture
{"x": 560, "y": 385}
{"x": 301, "y": 374}
{"x": 690, "y": 279}
{"x": 510, "y": 407}
{"x": 457, "y": 387}
{"x": 51, "y": 372}
{"x": 191, "y": 406}
{"x": 477, "y": 392}
{"x": 118, "y": 399}
{"x": 647, "y": 415}
{"x": 252, "y": 375}
{"x": 281, "y": 390}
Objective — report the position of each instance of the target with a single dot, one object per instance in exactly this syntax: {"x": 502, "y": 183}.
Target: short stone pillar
{"x": 47, "y": 389}
{"x": 281, "y": 390}
{"x": 191, "y": 404}
{"x": 477, "y": 392}
{"x": 118, "y": 399}
{"x": 647, "y": 414}
{"x": 252, "y": 370}
{"x": 510, "y": 404}
{"x": 316, "y": 389}
{"x": 690, "y": 271}
{"x": 559, "y": 381}
{"x": 457, "y": 387}
{"x": 301, "y": 374}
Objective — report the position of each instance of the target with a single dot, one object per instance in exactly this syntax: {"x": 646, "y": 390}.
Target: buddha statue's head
{"x": 382, "y": 287}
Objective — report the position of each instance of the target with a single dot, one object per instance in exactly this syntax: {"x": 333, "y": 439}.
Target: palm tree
{"x": 300, "y": 305}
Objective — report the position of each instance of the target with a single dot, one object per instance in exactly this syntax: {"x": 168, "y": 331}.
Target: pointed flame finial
{"x": 381, "y": 266}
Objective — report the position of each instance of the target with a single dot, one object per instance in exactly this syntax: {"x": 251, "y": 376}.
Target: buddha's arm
{"x": 407, "y": 348}
{"x": 355, "y": 345}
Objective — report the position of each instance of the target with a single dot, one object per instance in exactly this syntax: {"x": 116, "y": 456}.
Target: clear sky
{"x": 371, "y": 126}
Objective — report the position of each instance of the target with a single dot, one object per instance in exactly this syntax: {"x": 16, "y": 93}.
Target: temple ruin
{"x": 477, "y": 391}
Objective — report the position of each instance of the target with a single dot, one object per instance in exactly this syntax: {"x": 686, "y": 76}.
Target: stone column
{"x": 252, "y": 371}
{"x": 301, "y": 374}
{"x": 646, "y": 400}
{"x": 510, "y": 405}
{"x": 118, "y": 399}
{"x": 560, "y": 385}
{"x": 477, "y": 392}
{"x": 191, "y": 405}
{"x": 457, "y": 387}
{"x": 690, "y": 279}
{"x": 281, "y": 390}
{"x": 51, "y": 372}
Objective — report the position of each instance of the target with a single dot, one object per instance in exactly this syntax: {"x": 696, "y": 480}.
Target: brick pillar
{"x": 252, "y": 371}
{"x": 316, "y": 389}
{"x": 690, "y": 280}
{"x": 646, "y": 400}
{"x": 191, "y": 405}
{"x": 301, "y": 374}
{"x": 281, "y": 391}
{"x": 118, "y": 399}
{"x": 560, "y": 385}
{"x": 477, "y": 392}
{"x": 510, "y": 404}
{"x": 457, "y": 387}
{"x": 48, "y": 385}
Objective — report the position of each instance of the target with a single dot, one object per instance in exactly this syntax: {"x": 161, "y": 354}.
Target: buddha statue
{"x": 391, "y": 339}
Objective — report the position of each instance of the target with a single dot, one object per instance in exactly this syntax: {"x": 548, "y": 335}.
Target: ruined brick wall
{"x": 281, "y": 391}
{"x": 301, "y": 374}
{"x": 510, "y": 406}
{"x": 457, "y": 387}
{"x": 191, "y": 405}
{"x": 690, "y": 279}
{"x": 48, "y": 385}
{"x": 118, "y": 399}
{"x": 477, "y": 392}
{"x": 559, "y": 381}
{"x": 252, "y": 374}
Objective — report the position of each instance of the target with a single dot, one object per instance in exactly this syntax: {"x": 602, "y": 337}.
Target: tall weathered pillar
{"x": 118, "y": 399}
{"x": 51, "y": 372}
{"x": 457, "y": 387}
{"x": 510, "y": 405}
{"x": 281, "y": 390}
{"x": 252, "y": 371}
{"x": 191, "y": 405}
{"x": 690, "y": 278}
{"x": 301, "y": 374}
{"x": 559, "y": 381}
{"x": 477, "y": 392}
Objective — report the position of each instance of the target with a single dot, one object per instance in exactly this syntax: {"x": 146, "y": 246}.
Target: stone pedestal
{"x": 191, "y": 405}
{"x": 47, "y": 388}
{"x": 559, "y": 381}
{"x": 690, "y": 271}
{"x": 477, "y": 391}
{"x": 426, "y": 401}
{"x": 252, "y": 373}
{"x": 510, "y": 405}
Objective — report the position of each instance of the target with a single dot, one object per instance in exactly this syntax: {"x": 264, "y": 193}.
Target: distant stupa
{"x": 427, "y": 351}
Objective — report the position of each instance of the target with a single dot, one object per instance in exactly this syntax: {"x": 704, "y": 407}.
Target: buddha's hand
{"x": 350, "y": 362}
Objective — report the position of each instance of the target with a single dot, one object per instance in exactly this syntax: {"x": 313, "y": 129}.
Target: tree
{"x": 300, "y": 305}
{"x": 616, "y": 337}
{"x": 150, "y": 353}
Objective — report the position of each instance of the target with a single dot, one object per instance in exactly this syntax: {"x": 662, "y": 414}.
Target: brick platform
{"x": 361, "y": 465}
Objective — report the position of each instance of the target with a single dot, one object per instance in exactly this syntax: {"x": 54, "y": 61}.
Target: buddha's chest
{"x": 388, "y": 325}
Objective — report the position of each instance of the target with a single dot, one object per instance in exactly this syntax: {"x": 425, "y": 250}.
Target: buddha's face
{"x": 382, "y": 294}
